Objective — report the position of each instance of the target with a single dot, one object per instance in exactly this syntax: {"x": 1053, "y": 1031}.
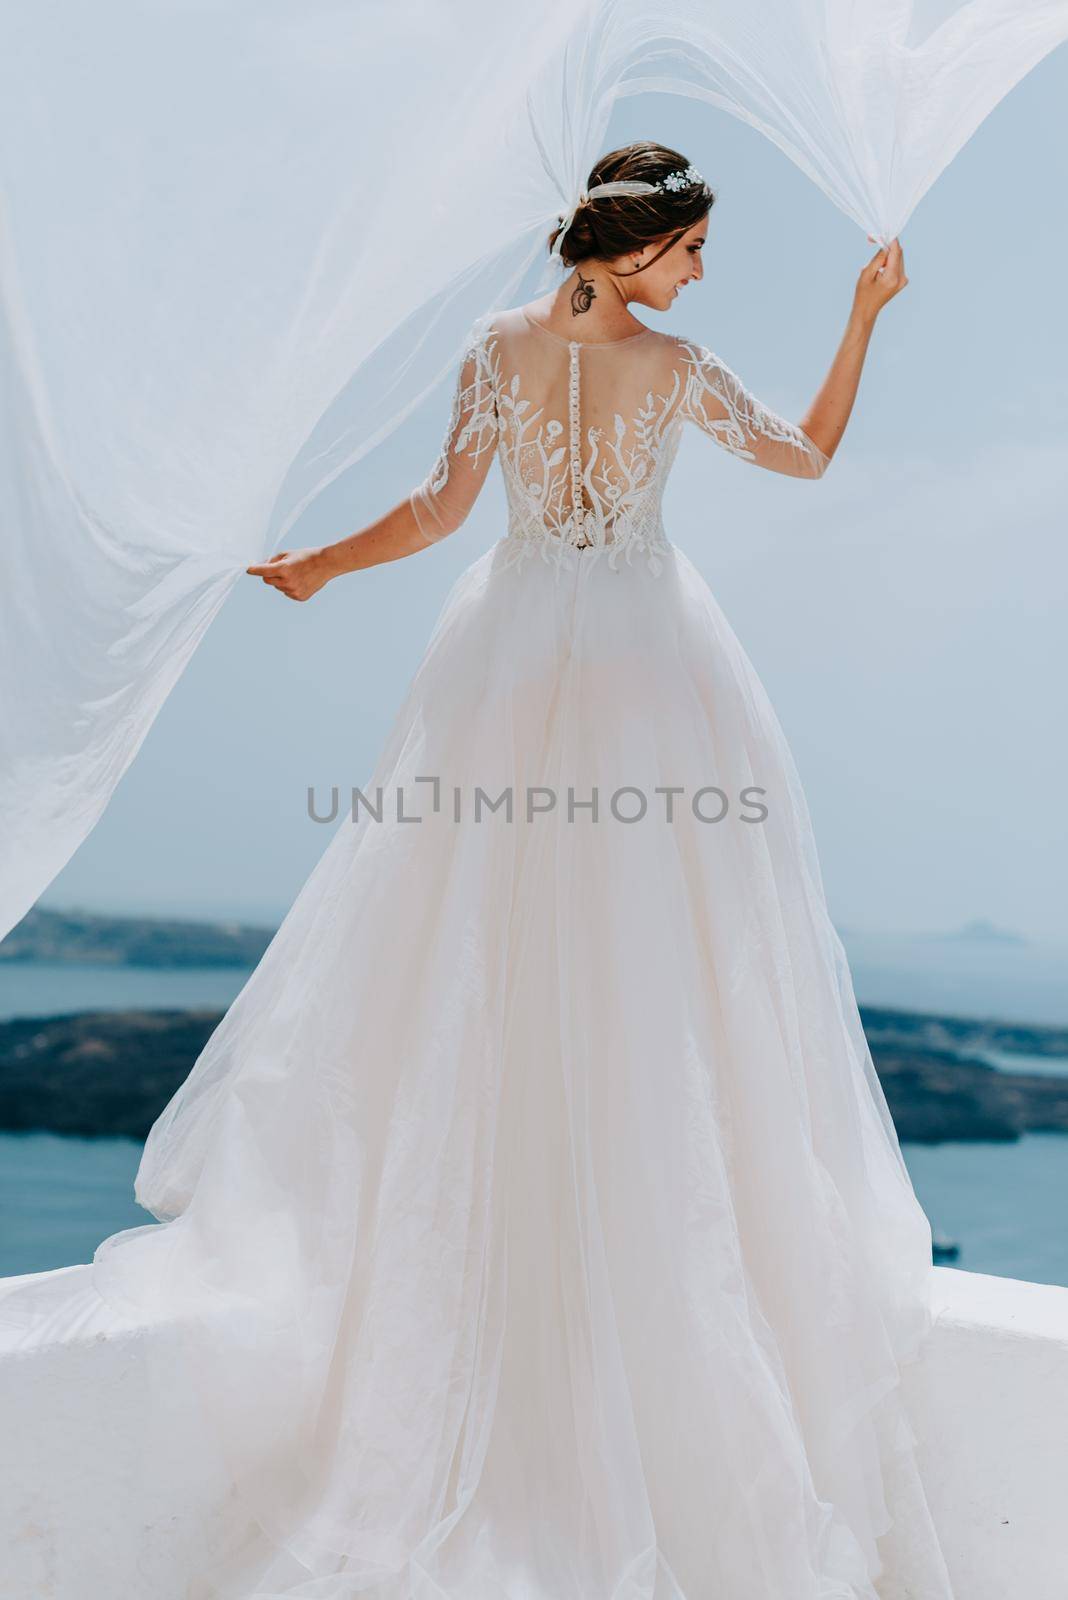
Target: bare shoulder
{"x": 506, "y": 320}
{"x": 690, "y": 350}
{"x": 675, "y": 355}
{"x": 701, "y": 363}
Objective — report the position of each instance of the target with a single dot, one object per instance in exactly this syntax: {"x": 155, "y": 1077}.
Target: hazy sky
{"x": 906, "y": 614}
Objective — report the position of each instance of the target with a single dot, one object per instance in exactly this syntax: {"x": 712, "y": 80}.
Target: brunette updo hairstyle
{"x": 612, "y": 225}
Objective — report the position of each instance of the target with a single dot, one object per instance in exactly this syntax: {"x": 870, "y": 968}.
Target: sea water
{"x": 54, "y": 988}
{"x": 60, "y": 1196}
{"x": 1004, "y": 1204}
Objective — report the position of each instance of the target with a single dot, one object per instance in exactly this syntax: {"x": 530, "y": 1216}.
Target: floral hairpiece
{"x": 685, "y": 178}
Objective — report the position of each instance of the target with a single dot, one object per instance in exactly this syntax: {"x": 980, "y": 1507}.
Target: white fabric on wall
{"x": 210, "y": 302}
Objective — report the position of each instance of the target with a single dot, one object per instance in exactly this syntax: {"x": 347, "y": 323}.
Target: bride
{"x": 535, "y": 1215}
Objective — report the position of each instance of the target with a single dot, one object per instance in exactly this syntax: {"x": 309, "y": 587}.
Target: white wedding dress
{"x": 536, "y": 1216}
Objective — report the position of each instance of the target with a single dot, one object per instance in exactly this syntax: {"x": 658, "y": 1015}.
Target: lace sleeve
{"x": 717, "y": 401}
{"x": 444, "y": 498}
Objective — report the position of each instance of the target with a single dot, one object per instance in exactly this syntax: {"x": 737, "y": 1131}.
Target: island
{"x": 92, "y": 938}
{"x": 102, "y": 1073}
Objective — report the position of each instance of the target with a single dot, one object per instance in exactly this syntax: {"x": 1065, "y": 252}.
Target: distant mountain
{"x": 980, "y": 931}
{"x": 87, "y": 937}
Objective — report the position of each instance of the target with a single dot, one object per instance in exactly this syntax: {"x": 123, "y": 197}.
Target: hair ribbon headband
{"x": 600, "y": 191}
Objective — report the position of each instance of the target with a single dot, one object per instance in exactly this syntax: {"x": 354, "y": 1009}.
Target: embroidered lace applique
{"x": 577, "y": 488}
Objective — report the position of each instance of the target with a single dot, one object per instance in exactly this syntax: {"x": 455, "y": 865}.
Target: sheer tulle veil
{"x": 200, "y": 329}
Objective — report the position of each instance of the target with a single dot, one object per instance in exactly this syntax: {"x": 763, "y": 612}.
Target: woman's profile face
{"x": 660, "y": 284}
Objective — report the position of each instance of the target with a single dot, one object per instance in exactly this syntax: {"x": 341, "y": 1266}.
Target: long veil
{"x": 204, "y": 315}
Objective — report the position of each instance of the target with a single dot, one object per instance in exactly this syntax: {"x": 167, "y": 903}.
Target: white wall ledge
{"x": 988, "y": 1399}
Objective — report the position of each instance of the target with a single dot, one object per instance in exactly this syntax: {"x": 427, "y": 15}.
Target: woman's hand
{"x": 298, "y": 574}
{"x": 882, "y": 278}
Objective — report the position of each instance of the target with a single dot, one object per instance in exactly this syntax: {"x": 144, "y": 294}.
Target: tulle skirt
{"x": 537, "y": 1225}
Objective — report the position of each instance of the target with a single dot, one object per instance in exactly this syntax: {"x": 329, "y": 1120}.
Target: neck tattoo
{"x": 582, "y": 295}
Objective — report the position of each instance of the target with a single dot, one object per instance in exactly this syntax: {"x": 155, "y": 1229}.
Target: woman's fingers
{"x": 881, "y": 278}
{"x": 298, "y": 574}
{"x": 887, "y": 266}
{"x": 264, "y": 567}
{"x": 284, "y": 580}
{"x": 895, "y": 278}
{"x": 877, "y": 264}
{"x": 273, "y": 580}
{"x": 887, "y": 262}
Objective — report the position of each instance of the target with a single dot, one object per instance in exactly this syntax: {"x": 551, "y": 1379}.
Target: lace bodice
{"x": 586, "y": 434}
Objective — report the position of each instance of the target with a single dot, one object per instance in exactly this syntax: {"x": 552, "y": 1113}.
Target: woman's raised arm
{"x": 718, "y": 402}
{"x": 825, "y": 420}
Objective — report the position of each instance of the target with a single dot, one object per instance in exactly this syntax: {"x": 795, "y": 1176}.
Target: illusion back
{"x": 587, "y": 433}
